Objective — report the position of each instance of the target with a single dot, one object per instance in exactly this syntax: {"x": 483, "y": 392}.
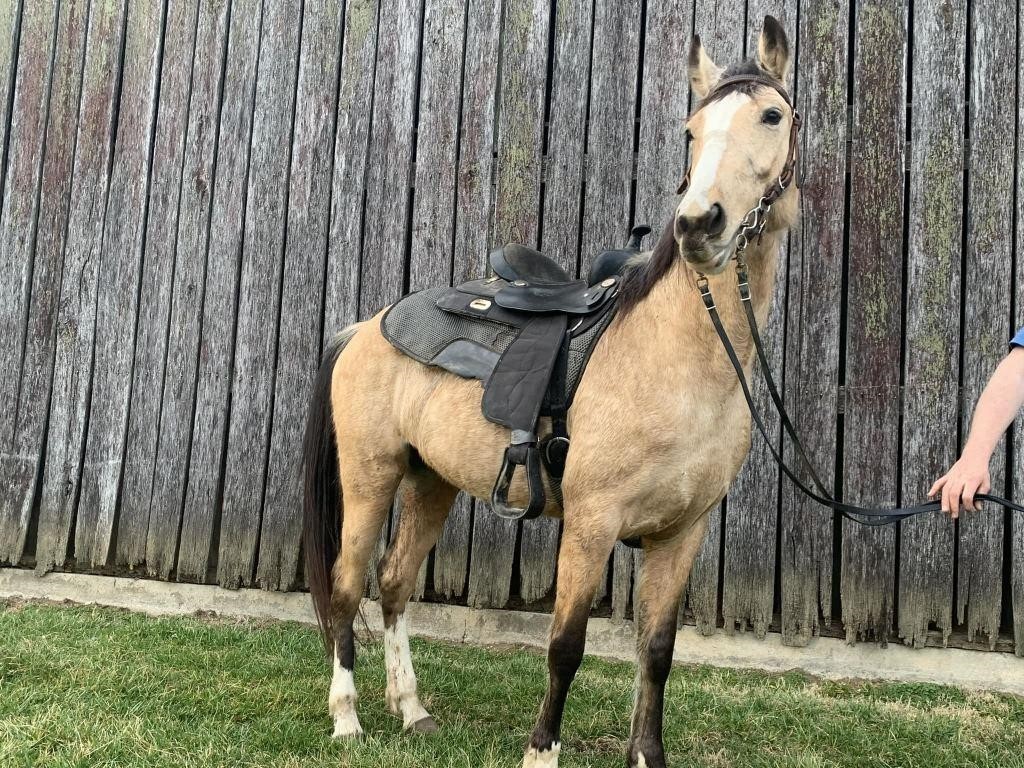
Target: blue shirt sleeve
{"x": 1018, "y": 340}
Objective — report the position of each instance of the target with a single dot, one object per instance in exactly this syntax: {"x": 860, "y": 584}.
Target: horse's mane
{"x": 643, "y": 275}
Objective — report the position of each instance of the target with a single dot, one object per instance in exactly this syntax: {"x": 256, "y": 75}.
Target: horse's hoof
{"x": 353, "y": 737}
{"x": 424, "y": 725}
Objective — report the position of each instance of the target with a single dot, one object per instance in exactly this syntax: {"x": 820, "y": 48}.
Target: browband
{"x": 765, "y": 80}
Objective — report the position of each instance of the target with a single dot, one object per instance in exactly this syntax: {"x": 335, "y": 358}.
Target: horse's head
{"x": 743, "y": 146}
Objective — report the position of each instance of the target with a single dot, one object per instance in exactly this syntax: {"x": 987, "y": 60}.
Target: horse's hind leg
{"x": 425, "y": 501}
{"x": 666, "y": 567}
{"x": 368, "y": 493}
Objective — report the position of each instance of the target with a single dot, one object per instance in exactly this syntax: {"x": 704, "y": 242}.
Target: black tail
{"x": 322, "y": 513}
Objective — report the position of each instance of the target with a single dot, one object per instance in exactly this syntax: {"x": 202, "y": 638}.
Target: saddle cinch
{"x": 526, "y": 333}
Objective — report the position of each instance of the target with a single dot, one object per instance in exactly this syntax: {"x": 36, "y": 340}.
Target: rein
{"x": 750, "y": 228}
{"x": 871, "y": 516}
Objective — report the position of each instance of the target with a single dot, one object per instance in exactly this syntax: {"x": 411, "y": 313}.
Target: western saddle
{"x": 526, "y": 332}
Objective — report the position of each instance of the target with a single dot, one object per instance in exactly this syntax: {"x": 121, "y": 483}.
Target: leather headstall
{"x": 774, "y": 190}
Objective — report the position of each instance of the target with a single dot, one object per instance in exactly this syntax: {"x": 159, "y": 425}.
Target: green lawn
{"x": 96, "y": 687}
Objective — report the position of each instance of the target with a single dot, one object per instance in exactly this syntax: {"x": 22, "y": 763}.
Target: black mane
{"x": 639, "y": 279}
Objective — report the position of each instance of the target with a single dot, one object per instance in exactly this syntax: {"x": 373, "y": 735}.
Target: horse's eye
{"x": 771, "y": 116}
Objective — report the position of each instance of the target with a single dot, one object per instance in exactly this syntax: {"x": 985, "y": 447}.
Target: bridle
{"x": 753, "y": 223}
{"x": 750, "y": 228}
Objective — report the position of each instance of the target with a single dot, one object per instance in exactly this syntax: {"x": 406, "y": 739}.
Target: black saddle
{"x": 526, "y": 332}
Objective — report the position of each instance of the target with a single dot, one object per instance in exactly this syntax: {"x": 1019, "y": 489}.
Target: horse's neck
{"x": 673, "y": 318}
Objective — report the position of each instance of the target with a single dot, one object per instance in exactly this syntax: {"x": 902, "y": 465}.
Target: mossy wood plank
{"x": 474, "y": 200}
{"x": 560, "y": 230}
{"x": 874, "y": 295}
{"x": 987, "y": 286}
{"x": 813, "y": 317}
{"x": 933, "y": 331}
{"x": 751, "y": 522}
{"x": 437, "y": 145}
{"x": 723, "y": 37}
{"x": 516, "y": 219}
{"x": 609, "y": 175}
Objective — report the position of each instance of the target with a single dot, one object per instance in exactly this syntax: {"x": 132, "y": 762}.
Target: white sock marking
{"x": 401, "y": 692}
{"x": 547, "y": 758}
{"x": 342, "y": 702}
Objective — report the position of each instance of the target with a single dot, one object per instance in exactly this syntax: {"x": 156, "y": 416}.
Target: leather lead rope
{"x": 869, "y": 516}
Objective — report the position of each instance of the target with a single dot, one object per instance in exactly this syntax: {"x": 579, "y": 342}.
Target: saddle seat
{"x": 526, "y": 333}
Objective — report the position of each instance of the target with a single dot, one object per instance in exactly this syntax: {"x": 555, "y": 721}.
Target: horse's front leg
{"x": 666, "y": 567}
{"x": 586, "y": 545}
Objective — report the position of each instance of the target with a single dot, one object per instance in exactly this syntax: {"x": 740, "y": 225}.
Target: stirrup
{"x": 523, "y": 452}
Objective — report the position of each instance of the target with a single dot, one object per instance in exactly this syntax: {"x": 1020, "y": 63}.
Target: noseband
{"x": 754, "y": 222}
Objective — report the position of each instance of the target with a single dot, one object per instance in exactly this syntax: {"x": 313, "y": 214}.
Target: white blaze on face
{"x": 342, "y": 702}
{"x": 718, "y": 117}
{"x": 547, "y": 758}
{"x": 401, "y": 692}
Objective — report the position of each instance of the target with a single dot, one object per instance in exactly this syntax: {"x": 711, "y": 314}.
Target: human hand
{"x": 969, "y": 476}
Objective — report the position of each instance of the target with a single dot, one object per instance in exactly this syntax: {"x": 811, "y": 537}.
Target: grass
{"x": 96, "y": 687}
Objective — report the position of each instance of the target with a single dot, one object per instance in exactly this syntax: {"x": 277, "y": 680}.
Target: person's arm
{"x": 997, "y": 406}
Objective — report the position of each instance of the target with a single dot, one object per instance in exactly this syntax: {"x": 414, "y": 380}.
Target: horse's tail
{"x": 323, "y": 509}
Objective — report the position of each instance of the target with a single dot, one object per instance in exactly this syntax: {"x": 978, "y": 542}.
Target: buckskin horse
{"x": 658, "y": 424}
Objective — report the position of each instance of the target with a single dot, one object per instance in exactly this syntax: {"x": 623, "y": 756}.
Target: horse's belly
{"x": 453, "y": 438}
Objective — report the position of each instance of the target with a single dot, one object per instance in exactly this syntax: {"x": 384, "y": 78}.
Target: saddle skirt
{"x": 470, "y": 344}
{"x": 527, "y": 334}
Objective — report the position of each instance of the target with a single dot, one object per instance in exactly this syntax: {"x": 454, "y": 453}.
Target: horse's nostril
{"x": 716, "y": 220}
{"x": 682, "y": 226}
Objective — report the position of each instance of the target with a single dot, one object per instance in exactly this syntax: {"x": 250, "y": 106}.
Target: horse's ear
{"x": 704, "y": 73}
{"x": 773, "y": 49}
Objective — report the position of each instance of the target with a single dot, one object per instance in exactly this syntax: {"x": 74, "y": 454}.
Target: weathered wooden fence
{"x": 195, "y": 193}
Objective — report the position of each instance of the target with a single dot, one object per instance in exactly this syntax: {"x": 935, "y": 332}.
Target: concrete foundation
{"x": 825, "y": 657}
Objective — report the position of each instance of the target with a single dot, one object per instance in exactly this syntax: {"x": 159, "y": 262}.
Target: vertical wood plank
{"x": 117, "y": 301}
{"x": 873, "y": 305}
{"x": 609, "y": 174}
{"x": 433, "y": 213}
{"x": 933, "y": 329}
{"x": 812, "y": 348}
{"x": 560, "y": 231}
{"x": 76, "y": 320}
{"x": 473, "y": 201}
{"x": 516, "y": 219}
{"x": 18, "y": 219}
{"x": 392, "y": 136}
{"x": 201, "y": 517}
{"x": 751, "y": 523}
{"x": 259, "y": 295}
{"x": 10, "y": 14}
{"x": 192, "y": 233}
{"x": 437, "y": 145}
{"x": 309, "y": 207}
{"x": 389, "y": 175}
{"x": 157, "y": 283}
{"x": 722, "y": 36}
{"x": 661, "y": 156}
{"x": 1017, "y": 520}
{"x": 987, "y": 281}
{"x": 352, "y": 136}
